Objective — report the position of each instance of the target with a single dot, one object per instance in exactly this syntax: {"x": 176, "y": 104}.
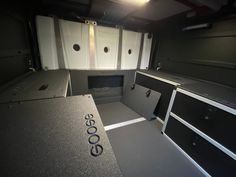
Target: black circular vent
{"x": 76, "y": 47}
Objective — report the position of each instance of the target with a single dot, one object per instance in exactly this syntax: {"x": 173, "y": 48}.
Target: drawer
{"x": 164, "y": 88}
{"x": 210, "y": 158}
{"x": 214, "y": 122}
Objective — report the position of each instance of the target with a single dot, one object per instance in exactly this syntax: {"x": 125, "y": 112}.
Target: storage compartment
{"x": 159, "y": 86}
{"x": 210, "y": 158}
{"x": 102, "y": 87}
{"x": 216, "y": 123}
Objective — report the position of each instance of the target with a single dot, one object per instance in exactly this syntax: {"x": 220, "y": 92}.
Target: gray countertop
{"x": 38, "y": 85}
{"x": 213, "y": 91}
{"x": 51, "y": 138}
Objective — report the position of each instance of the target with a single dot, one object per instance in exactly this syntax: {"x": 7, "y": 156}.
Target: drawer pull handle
{"x": 194, "y": 144}
{"x": 132, "y": 87}
{"x": 148, "y": 93}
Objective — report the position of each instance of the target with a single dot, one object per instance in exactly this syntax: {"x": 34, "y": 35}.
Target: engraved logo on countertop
{"x": 93, "y": 138}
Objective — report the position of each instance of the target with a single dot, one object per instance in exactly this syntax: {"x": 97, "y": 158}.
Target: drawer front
{"x": 159, "y": 86}
{"x": 210, "y": 158}
{"x": 216, "y": 123}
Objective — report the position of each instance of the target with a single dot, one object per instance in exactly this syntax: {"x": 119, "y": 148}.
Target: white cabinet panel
{"x": 107, "y": 41}
{"x": 75, "y": 40}
{"x": 47, "y": 42}
{"x": 130, "y": 49}
{"x": 147, "y": 44}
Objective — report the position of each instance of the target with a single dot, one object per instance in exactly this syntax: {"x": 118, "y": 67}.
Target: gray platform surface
{"x": 49, "y": 138}
{"x": 141, "y": 150}
{"x": 116, "y": 112}
{"x": 169, "y": 76}
{"x": 213, "y": 91}
{"x": 28, "y": 88}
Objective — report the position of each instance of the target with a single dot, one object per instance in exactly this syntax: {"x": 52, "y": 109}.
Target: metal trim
{"x": 92, "y": 48}
{"x": 208, "y": 101}
{"x": 187, "y": 156}
{"x": 122, "y": 124}
{"x": 59, "y": 44}
{"x": 169, "y": 110}
{"x": 160, "y": 120}
{"x": 140, "y": 51}
{"x": 159, "y": 78}
{"x": 206, "y": 137}
{"x": 118, "y": 66}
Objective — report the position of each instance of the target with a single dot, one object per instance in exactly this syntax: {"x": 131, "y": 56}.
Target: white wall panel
{"x": 106, "y": 38}
{"x": 130, "y": 41}
{"x": 147, "y": 44}
{"x": 75, "y": 33}
{"x": 47, "y": 42}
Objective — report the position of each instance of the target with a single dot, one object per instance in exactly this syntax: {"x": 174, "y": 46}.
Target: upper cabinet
{"x": 47, "y": 42}
{"x": 130, "y": 49}
{"x": 107, "y": 43}
{"x": 75, "y": 42}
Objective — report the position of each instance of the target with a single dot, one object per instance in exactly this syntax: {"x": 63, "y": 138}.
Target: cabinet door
{"x": 130, "y": 49}
{"x": 147, "y": 44}
{"x": 214, "y": 122}
{"x": 107, "y": 41}
{"x": 209, "y": 157}
{"x": 47, "y": 42}
{"x": 75, "y": 40}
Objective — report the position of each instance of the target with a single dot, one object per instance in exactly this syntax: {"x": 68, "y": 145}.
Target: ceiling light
{"x": 133, "y": 2}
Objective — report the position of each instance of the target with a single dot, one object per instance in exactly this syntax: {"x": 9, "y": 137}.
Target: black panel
{"x": 214, "y": 122}
{"x": 213, "y": 160}
{"x": 79, "y": 78}
{"x": 105, "y": 81}
{"x": 14, "y": 46}
{"x": 159, "y": 86}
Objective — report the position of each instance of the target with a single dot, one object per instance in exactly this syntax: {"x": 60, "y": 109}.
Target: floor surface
{"x": 140, "y": 148}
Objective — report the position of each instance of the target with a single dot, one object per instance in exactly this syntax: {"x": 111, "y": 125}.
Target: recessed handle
{"x": 43, "y": 87}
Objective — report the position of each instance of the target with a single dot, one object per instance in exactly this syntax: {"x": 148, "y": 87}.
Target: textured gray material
{"x": 141, "y": 150}
{"x": 137, "y": 100}
{"x": 172, "y": 77}
{"x": 112, "y": 113}
{"x": 216, "y": 92}
{"x": 49, "y": 138}
{"x": 56, "y": 83}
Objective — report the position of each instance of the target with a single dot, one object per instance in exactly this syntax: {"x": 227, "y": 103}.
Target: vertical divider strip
{"x": 140, "y": 51}
{"x": 119, "y": 48}
{"x": 92, "y": 46}
{"x": 61, "y": 61}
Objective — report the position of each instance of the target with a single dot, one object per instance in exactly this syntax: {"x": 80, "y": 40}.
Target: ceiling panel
{"x": 157, "y": 10}
{"x": 109, "y": 10}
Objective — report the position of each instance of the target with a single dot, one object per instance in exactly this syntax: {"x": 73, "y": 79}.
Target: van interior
{"x": 118, "y": 88}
